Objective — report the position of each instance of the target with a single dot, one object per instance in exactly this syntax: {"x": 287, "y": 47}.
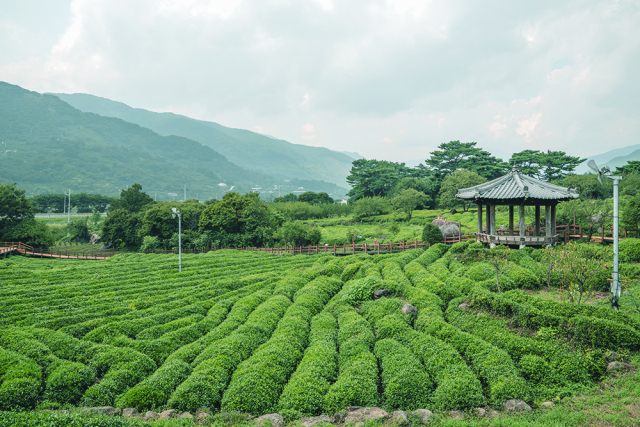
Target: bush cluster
{"x": 309, "y": 384}
{"x": 357, "y": 383}
{"x": 216, "y": 364}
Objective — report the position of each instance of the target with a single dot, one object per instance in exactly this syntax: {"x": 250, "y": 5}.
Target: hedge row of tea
{"x": 252, "y": 332}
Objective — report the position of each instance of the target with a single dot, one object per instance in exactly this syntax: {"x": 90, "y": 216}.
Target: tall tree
{"x": 632, "y": 166}
{"x": 556, "y": 165}
{"x": 527, "y": 161}
{"x": 455, "y": 155}
{"x": 408, "y": 200}
{"x": 133, "y": 199}
{"x": 451, "y": 184}
{"x": 374, "y": 178}
{"x": 17, "y": 219}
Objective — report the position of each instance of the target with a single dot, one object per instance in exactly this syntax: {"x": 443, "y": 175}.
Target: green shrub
{"x": 522, "y": 278}
{"x": 406, "y": 384}
{"x": 480, "y": 271}
{"x": 431, "y": 234}
{"x": 357, "y": 385}
{"x": 68, "y": 382}
{"x": 359, "y": 291}
{"x": 630, "y": 250}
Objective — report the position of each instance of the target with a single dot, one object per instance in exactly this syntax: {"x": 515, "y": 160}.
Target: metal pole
{"x": 179, "y": 243}
{"x": 69, "y": 213}
{"x": 615, "y": 286}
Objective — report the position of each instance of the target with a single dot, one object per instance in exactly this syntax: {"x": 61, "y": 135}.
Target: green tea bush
{"x": 357, "y": 383}
{"x": 460, "y": 247}
{"x": 68, "y": 382}
{"x": 630, "y": 250}
{"x": 205, "y": 385}
{"x": 310, "y": 382}
{"x": 522, "y": 278}
{"x": 480, "y": 271}
{"x": 21, "y": 380}
{"x": 406, "y": 384}
{"x": 155, "y": 390}
{"x": 492, "y": 365}
{"x": 432, "y": 254}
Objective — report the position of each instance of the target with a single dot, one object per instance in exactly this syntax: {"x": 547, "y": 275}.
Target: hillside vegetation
{"x": 250, "y": 150}
{"x": 250, "y": 332}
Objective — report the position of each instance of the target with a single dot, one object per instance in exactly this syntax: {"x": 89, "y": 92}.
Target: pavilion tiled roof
{"x": 516, "y": 186}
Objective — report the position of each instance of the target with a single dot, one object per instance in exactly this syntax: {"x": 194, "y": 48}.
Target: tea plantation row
{"x": 257, "y": 333}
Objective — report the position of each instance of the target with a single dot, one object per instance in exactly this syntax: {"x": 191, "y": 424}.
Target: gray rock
{"x": 400, "y": 417}
{"x": 314, "y": 421}
{"x": 201, "y": 416}
{"x": 276, "y": 420}
{"x": 150, "y": 415}
{"x": 186, "y": 415}
{"x": 516, "y": 405}
{"x": 618, "y": 367}
{"x": 338, "y": 417}
{"x": 493, "y": 413}
{"x": 130, "y": 412}
{"x": 480, "y": 412}
{"x": 423, "y": 414}
{"x": 547, "y": 404}
{"x": 409, "y": 309}
{"x": 450, "y": 230}
{"x": 456, "y": 415}
{"x": 464, "y": 306}
{"x": 169, "y": 413}
{"x": 360, "y": 415}
{"x": 94, "y": 238}
{"x": 380, "y": 293}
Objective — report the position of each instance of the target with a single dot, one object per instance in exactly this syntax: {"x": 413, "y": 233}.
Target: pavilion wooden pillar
{"x": 547, "y": 225}
{"x": 488, "y": 215}
{"x": 510, "y": 220}
{"x": 493, "y": 220}
{"x": 521, "y": 223}
{"x": 537, "y": 224}
{"x": 553, "y": 220}
{"x": 479, "y": 222}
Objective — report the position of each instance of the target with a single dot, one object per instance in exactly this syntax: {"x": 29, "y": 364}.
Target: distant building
{"x": 222, "y": 184}
{"x": 342, "y": 201}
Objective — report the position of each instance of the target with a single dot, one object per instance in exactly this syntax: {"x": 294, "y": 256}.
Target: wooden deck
{"x": 498, "y": 239}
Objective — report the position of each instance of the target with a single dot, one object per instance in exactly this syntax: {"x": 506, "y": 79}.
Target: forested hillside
{"x": 49, "y": 146}
{"x": 250, "y": 150}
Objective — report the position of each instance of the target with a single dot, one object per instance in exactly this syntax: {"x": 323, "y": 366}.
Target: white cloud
{"x": 544, "y": 75}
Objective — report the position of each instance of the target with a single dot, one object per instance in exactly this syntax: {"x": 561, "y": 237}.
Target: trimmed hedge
{"x": 491, "y": 364}
{"x": 309, "y": 384}
{"x": 457, "y": 386}
{"x": 205, "y": 385}
{"x": 155, "y": 390}
{"x": 357, "y": 383}
{"x": 20, "y": 379}
{"x": 68, "y": 382}
{"x": 406, "y": 384}
{"x": 258, "y": 382}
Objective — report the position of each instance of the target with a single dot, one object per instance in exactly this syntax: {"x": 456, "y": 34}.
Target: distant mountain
{"x": 49, "y": 146}
{"x": 621, "y": 160}
{"x": 252, "y": 151}
{"x": 617, "y": 157}
{"x": 353, "y": 155}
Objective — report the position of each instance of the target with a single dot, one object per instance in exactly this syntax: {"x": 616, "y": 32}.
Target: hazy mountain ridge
{"x": 42, "y": 136}
{"x": 250, "y": 150}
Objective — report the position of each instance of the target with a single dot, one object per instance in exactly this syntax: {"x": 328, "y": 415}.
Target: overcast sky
{"x": 388, "y": 79}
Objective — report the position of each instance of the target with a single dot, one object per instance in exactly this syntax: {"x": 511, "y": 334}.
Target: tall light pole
{"x": 616, "y": 289}
{"x": 177, "y": 212}
{"x": 69, "y": 213}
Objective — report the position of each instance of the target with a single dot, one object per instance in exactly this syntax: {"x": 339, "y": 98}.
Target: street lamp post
{"x": 177, "y": 213}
